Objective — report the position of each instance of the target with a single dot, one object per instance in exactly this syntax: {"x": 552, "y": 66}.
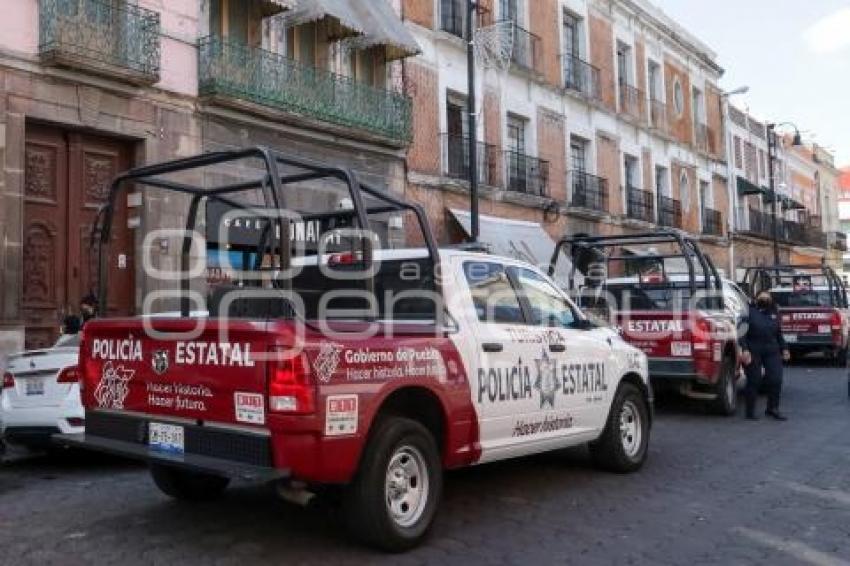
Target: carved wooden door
{"x": 66, "y": 179}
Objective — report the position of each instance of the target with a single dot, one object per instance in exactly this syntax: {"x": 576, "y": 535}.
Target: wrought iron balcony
{"x": 581, "y": 76}
{"x": 113, "y": 39}
{"x": 793, "y": 232}
{"x": 526, "y": 174}
{"x": 640, "y": 205}
{"x": 669, "y": 212}
{"x": 453, "y": 17}
{"x": 632, "y": 101}
{"x": 234, "y": 71}
{"x": 701, "y": 137}
{"x": 658, "y": 115}
{"x": 456, "y": 159}
{"x": 758, "y": 224}
{"x": 526, "y": 51}
{"x": 588, "y": 191}
{"x": 712, "y": 222}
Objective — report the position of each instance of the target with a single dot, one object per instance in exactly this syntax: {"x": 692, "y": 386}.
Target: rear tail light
{"x": 292, "y": 389}
{"x": 702, "y": 334}
{"x": 69, "y": 375}
{"x": 835, "y": 321}
{"x": 8, "y": 380}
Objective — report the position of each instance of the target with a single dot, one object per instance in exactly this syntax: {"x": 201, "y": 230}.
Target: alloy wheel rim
{"x": 630, "y": 429}
{"x": 406, "y": 486}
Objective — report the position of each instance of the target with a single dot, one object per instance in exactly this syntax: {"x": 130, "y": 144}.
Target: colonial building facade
{"x": 92, "y": 87}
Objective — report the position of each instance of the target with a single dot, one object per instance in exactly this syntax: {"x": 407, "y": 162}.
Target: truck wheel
{"x": 186, "y": 485}
{"x": 393, "y": 499}
{"x": 624, "y": 443}
{"x": 727, "y": 395}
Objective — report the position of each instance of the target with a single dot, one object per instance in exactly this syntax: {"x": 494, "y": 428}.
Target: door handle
{"x": 492, "y": 347}
{"x": 557, "y": 348}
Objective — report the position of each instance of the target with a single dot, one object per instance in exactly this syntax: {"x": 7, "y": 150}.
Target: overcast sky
{"x": 794, "y": 56}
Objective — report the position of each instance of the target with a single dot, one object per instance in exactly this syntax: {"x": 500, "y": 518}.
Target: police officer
{"x": 763, "y": 350}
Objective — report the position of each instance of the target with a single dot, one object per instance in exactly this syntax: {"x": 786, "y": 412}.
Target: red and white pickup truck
{"x": 493, "y": 362}
{"x": 668, "y": 300}
{"x": 813, "y": 307}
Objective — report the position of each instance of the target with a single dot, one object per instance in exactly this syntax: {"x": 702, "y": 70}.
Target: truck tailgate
{"x": 208, "y": 376}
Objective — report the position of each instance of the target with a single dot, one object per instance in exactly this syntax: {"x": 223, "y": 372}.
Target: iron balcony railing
{"x": 112, "y": 38}
{"x": 231, "y": 69}
{"x": 669, "y": 212}
{"x": 759, "y": 224}
{"x": 640, "y": 205}
{"x": 453, "y": 17}
{"x": 712, "y": 222}
{"x": 658, "y": 115}
{"x": 581, "y": 76}
{"x": 526, "y": 174}
{"x": 701, "y": 137}
{"x": 631, "y": 101}
{"x": 456, "y": 159}
{"x": 793, "y": 232}
{"x": 526, "y": 48}
{"x": 588, "y": 191}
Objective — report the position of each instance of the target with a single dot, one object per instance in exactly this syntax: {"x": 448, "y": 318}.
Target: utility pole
{"x": 473, "y": 128}
{"x": 771, "y": 155}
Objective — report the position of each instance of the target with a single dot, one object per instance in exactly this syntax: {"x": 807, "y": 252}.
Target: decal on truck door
{"x": 113, "y": 387}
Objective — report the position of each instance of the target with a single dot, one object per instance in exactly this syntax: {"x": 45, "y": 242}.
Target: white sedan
{"x": 41, "y": 395}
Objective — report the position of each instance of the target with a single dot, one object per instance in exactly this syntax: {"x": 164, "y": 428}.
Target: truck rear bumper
{"x": 674, "y": 370}
{"x": 193, "y": 462}
{"x": 811, "y": 342}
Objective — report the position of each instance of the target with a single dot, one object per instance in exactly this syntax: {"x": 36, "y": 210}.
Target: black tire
{"x": 366, "y": 502}
{"x": 614, "y": 451}
{"x": 186, "y": 485}
{"x": 727, "y": 394}
{"x": 841, "y": 357}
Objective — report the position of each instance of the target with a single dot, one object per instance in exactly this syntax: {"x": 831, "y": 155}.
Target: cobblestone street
{"x": 714, "y": 490}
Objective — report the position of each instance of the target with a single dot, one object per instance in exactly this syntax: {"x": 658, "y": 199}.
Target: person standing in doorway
{"x": 763, "y": 353}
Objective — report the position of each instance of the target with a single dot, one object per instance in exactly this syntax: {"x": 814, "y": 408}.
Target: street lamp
{"x": 771, "y": 155}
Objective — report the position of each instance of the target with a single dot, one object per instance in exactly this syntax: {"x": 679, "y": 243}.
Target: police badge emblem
{"x": 159, "y": 362}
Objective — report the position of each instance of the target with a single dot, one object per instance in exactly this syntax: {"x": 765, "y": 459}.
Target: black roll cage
{"x": 272, "y": 185}
{"x": 690, "y": 251}
{"x": 755, "y": 278}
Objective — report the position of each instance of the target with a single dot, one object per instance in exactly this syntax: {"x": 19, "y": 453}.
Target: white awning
{"x": 519, "y": 239}
{"x": 367, "y": 23}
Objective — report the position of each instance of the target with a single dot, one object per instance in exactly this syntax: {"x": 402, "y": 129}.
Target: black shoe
{"x": 776, "y": 415}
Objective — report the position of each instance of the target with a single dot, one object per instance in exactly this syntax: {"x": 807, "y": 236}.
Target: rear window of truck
{"x": 802, "y": 299}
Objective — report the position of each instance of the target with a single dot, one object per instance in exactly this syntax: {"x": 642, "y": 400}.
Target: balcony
{"x": 526, "y": 174}
{"x": 756, "y": 223}
{"x": 526, "y": 51}
{"x": 231, "y": 73}
{"x": 793, "y": 232}
{"x": 588, "y": 191}
{"x": 631, "y": 101}
{"x": 581, "y": 76}
{"x": 658, "y": 116}
{"x": 640, "y": 205}
{"x": 701, "y": 137}
{"x": 456, "y": 159}
{"x": 115, "y": 40}
{"x": 712, "y": 222}
{"x": 669, "y": 212}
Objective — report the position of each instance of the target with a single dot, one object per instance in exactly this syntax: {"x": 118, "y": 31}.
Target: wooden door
{"x": 66, "y": 179}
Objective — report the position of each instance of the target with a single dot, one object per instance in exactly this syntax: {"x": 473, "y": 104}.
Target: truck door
{"x": 582, "y": 356}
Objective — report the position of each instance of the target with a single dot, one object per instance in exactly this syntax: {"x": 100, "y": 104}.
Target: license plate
{"x": 790, "y": 337}
{"x": 824, "y": 329}
{"x": 681, "y": 349}
{"x": 34, "y": 387}
{"x": 166, "y": 438}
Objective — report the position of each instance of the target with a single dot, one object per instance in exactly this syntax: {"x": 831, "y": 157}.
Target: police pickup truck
{"x": 431, "y": 359}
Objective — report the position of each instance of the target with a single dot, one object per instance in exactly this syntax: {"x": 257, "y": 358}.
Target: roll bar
{"x": 759, "y": 278}
{"x": 688, "y": 247}
{"x": 273, "y": 186}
